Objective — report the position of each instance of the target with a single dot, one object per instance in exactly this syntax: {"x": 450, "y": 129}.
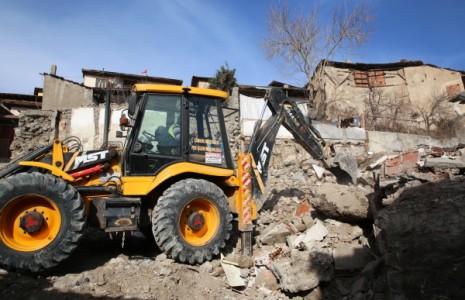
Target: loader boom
{"x": 285, "y": 111}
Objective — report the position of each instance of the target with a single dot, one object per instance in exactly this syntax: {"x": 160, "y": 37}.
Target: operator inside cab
{"x": 169, "y": 140}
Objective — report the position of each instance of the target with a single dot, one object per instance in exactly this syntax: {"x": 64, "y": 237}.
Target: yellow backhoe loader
{"x": 174, "y": 179}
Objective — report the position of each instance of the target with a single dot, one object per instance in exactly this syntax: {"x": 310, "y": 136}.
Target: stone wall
{"x": 35, "y": 129}
{"x": 39, "y": 128}
{"x": 394, "y": 142}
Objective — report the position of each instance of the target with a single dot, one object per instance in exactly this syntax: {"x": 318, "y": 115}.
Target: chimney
{"x": 53, "y": 70}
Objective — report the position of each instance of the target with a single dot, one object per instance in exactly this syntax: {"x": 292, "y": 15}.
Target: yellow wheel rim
{"x": 211, "y": 222}
{"x": 18, "y": 239}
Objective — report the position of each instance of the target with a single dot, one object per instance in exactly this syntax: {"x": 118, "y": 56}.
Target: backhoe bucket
{"x": 346, "y": 169}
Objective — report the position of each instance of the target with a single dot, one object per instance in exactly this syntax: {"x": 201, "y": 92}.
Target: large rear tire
{"x": 192, "y": 221}
{"x": 42, "y": 220}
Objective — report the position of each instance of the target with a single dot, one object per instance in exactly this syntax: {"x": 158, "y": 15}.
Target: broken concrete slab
{"x": 443, "y": 162}
{"x": 315, "y": 233}
{"x": 343, "y": 231}
{"x": 233, "y": 275}
{"x": 350, "y": 256}
{"x": 303, "y": 271}
{"x": 275, "y": 234}
{"x": 347, "y": 204}
{"x": 265, "y": 278}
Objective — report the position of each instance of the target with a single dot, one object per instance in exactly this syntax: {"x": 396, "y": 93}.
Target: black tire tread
{"x": 165, "y": 221}
{"x": 71, "y": 207}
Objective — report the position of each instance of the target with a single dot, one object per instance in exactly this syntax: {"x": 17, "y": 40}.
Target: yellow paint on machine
{"x": 142, "y": 185}
{"x": 176, "y": 89}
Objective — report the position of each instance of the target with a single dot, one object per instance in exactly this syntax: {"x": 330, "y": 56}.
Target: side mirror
{"x": 123, "y": 122}
{"x": 132, "y": 104}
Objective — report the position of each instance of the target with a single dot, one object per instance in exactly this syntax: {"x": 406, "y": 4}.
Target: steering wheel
{"x": 149, "y": 136}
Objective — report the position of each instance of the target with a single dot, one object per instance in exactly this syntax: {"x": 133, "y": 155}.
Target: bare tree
{"x": 386, "y": 112}
{"x": 437, "y": 113}
{"x": 304, "y": 39}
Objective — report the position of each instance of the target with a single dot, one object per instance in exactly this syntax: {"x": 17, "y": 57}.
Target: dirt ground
{"x": 101, "y": 269}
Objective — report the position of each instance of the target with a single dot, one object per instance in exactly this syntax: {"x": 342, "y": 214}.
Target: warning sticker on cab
{"x": 213, "y": 158}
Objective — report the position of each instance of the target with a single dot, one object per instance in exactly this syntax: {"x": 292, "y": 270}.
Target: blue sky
{"x": 181, "y": 38}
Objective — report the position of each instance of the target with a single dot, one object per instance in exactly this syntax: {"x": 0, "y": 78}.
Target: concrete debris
{"x": 233, "y": 275}
{"x": 350, "y": 256}
{"x": 315, "y": 233}
{"x": 303, "y": 271}
{"x": 275, "y": 234}
{"x": 266, "y": 279}
{"x": 443, "y": 163}
{"x": 310, "y": 231}
{"x": 378, "y": 162}
{"x": 319, "y": 171}
{"x": 238, "y": 260}
{"x": 346, "y": 204}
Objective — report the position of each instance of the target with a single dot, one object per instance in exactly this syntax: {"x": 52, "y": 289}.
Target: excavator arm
{"x": 254, "y": 164}
{"x": 286, "y": 112}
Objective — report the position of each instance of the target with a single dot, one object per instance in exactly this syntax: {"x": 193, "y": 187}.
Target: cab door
{"x": 156, "y": 137}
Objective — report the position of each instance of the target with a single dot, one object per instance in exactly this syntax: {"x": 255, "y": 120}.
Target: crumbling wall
{"x": 35, "y": 129}
{"x": 65, "y": 94}
{"x": 39, "y": 128}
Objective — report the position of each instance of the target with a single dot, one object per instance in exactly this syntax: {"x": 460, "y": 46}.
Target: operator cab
{"x": 171, "y": 124}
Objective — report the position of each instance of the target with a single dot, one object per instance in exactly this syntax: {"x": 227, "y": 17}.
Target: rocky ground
{"x": 401, "y": 238}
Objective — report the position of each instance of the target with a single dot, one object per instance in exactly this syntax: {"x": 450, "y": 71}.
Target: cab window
{"x": 157, "y": 141}
{"x": 160, "y": 128}
{"x": 205, "y": 132}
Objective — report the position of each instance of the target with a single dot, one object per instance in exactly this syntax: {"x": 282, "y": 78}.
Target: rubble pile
{"x": 398, "y": 233}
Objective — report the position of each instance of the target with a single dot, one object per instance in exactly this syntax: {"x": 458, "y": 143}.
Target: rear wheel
{"x": 42, "y": 220}
{"x": 192, "y": 221}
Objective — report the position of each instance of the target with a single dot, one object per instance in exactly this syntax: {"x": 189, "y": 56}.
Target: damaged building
{"x": 384, "y": 93}
{"x": 65, "y": 94}
{"x": 10, "y": 107}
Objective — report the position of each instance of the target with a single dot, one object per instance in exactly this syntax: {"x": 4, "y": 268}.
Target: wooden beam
{"x": 23, "y": 103}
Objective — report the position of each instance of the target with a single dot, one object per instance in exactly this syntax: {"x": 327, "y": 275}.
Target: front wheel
{"x": 42, "y": 220}
{"x": 192, "y": 221}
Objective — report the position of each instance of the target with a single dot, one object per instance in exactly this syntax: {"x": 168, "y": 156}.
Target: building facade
{"x": 355, "y": 89}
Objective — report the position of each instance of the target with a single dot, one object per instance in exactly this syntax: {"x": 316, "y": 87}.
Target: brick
{"x": 302, "y": 209}
{"x": 409, "y": 160}
{"x": 393, "y": 165}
